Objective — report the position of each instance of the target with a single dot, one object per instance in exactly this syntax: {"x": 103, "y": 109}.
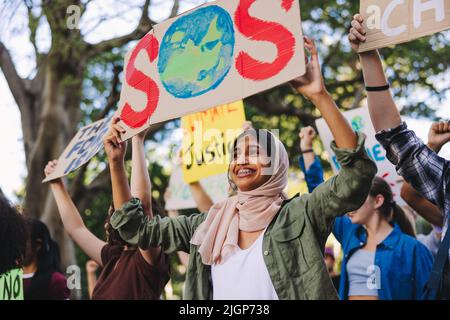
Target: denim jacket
{"x": 403, "y": 264}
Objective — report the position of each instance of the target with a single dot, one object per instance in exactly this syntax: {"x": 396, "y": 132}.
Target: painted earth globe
{"x": 196, "y": 52}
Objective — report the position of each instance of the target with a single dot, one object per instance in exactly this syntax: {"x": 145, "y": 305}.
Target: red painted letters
{"x": 259, "y": 30}
{"x": 287, "y": 4}
{"x": 141, "y": 82}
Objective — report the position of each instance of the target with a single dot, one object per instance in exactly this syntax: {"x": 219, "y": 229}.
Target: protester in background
{"x": 419, "y": 165}
{"x": 382, "y": 260}
{"x": 330, "y": 262}
{"x": 259, "y": 244}
{"x": 42, "y": 277}
{"x": 13, "y": 237}
{"x": 128, "y": 273}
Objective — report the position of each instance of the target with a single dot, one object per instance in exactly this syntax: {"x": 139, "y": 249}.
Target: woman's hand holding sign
{"x": 383, "y": 112}
{"x": 115, "y": 148}
{"x": 50, "y": 169}
{"x": 311, "y": 84}
{"x": 357, "y": 33}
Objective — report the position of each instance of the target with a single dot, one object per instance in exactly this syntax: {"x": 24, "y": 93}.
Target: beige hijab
{"x": 248, "y": 211}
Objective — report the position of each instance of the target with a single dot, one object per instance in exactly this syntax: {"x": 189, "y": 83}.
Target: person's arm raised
{"x": 382, "y": 108}
{"x": 115, "y": 150}
{"x": 71, "y": 218}
{"x": 307, "y": 135}
{"x": 422, "y": 206}
{"x": 425, "y": 208}
{"x": 418, "y": 165}
{"x": 309, "y": 162}
{"x": 347, "y": 190}
{"x": 312, "y": 87}
{"x": 141, "y": 188}
{"x": 438, "y": 135}
{"x": 134, "y": 226}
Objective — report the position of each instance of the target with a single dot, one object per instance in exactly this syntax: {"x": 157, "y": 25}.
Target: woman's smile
{"x": 245, "y": 172}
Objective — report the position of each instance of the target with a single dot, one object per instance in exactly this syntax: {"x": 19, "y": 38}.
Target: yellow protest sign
{"x": 207, "y": 139}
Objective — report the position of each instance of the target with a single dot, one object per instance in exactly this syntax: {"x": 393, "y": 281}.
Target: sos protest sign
{"x": 391, "y": 22}
{"x": 360, "y": 121}
{"x": 215, "y": 54}
{"x": 180, "y": 197}
{"x": 11, "y": 285}
{"x": 207, "y": 139}
{"x": 86, "y": 143}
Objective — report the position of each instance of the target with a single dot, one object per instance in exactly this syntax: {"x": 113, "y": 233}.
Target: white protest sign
{"x": 395, "y": 21}
{"x": 360, "y": 121}
{"x": 215, "y": 54}
{"x": 180, "y": 196}
{"x": 86, "y": 143}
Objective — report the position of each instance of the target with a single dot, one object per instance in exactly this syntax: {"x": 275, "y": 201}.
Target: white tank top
{"x": 243, "y": 276}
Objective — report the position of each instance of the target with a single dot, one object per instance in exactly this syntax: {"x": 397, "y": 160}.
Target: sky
{"x": 13, "y": 169}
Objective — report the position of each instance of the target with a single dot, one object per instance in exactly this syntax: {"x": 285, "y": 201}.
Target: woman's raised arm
{"x": 71, "y": 218}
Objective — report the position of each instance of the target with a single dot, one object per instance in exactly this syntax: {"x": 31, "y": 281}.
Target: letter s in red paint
{"x": 141, "y": 82}
{"x": 287, "y": 4}
{"x": 259, "y": 30}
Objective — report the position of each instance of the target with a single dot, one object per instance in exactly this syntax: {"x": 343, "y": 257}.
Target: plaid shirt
{"x": 427, "y": 172}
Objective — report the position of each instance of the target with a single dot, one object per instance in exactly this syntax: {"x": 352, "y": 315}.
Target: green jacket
{"x": 293, "y": 244}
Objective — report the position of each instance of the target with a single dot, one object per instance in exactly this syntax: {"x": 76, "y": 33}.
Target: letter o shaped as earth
{"x": 196, "y": 52}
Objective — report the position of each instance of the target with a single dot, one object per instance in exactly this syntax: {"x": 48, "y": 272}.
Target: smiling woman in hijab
{"x": 258, "y": 244}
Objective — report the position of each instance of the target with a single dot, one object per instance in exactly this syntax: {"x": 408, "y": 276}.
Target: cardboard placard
{"x": 207, "y": 139}
{"x": 180, "y": 196}
{"x": 85, "y": 145}
{"x": 361, "y": 122}
{"x": 11, "y": 285}
{"x": 215, "y": 54}
{"x": 389, "y": 22}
